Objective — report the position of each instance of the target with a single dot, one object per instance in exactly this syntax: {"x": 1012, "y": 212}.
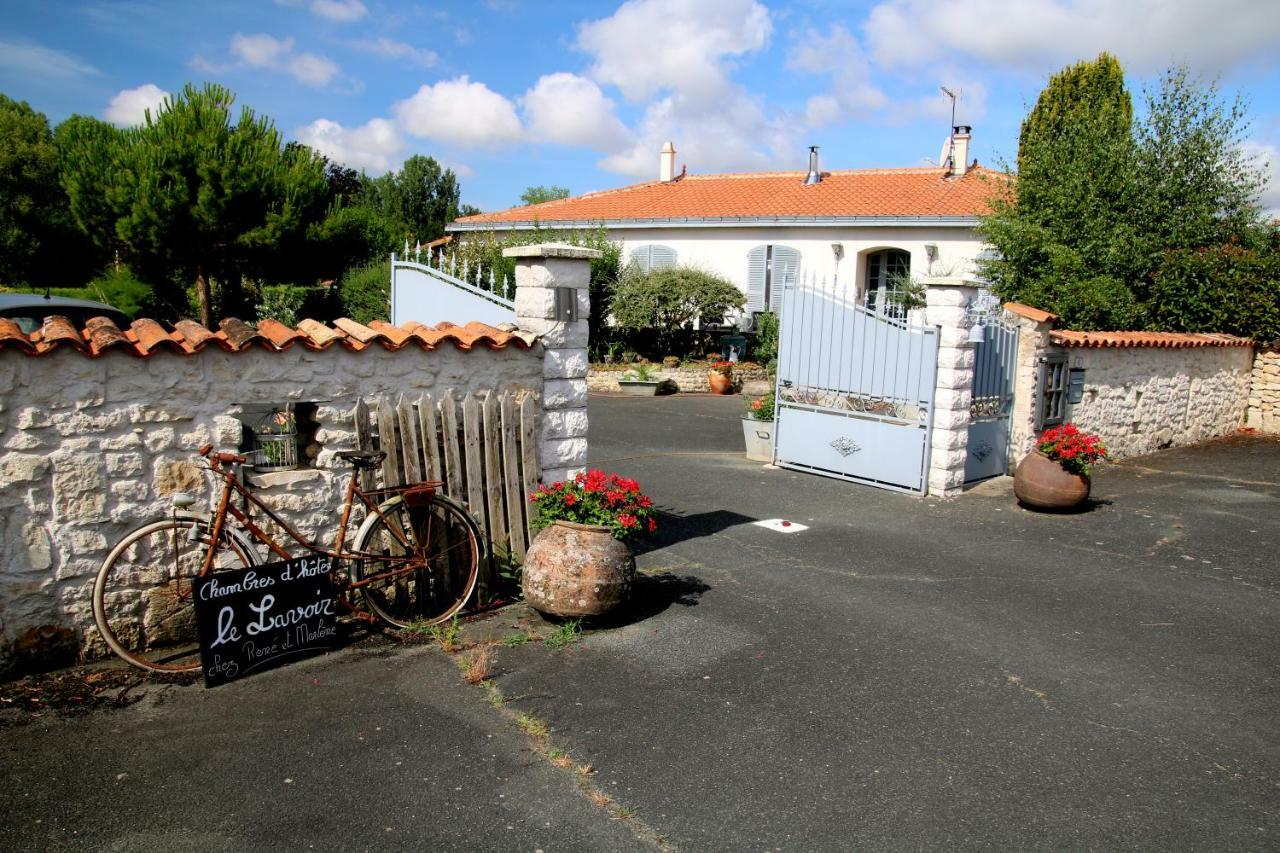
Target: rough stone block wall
{"x": 686, "y": 379}
{"x": 90, "y": 448}
{"x": 1264, "y": 390}
{"x": 1144, "y": 399}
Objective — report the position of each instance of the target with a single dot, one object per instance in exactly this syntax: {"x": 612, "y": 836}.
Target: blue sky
{"x": 511, "y": 93}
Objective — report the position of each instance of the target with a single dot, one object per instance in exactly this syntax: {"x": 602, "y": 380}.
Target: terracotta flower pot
{"x": 721, "y": 383}
{"x": 574, "y": 570}
{"x": 1043, "y": 483}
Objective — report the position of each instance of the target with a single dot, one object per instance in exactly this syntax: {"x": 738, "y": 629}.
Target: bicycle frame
{"x": 232, "y": 486}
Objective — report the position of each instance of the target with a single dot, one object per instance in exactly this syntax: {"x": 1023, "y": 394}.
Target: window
{"x": 1053, "y": 391}
{"x": 653, "y": 257}
{"x": 770, "y": 269}
{"x": 887, "y": 270}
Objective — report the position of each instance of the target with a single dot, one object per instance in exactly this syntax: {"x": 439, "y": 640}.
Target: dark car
{"x": 28, "y": 310}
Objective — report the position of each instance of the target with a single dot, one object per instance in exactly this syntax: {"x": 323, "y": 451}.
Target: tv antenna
{"x": 951, "y": 130}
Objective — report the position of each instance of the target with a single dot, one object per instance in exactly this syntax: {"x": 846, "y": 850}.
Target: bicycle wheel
{"x": 422, "y": 561}
{"x": 142, "y": 600}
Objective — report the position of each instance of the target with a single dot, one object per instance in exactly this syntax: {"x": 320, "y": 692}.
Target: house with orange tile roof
{"x": 859, "y": 228}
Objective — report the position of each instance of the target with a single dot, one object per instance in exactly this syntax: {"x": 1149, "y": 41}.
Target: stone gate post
{"x": 946, "y": 306}
{"x": 553, "y": 301}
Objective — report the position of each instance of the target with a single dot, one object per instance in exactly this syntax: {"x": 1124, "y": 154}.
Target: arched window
{"x": 769, "y": 270}
{"x": 653, "y": 257}
{"x": 887, "y": 271}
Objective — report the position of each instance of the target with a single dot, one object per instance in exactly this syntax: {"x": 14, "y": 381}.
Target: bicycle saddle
{"x": 363, "y": 458}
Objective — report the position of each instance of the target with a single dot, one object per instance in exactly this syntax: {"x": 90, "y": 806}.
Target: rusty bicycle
{"x": 414, "y": 559}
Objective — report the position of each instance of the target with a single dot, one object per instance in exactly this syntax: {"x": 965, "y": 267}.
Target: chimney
{"x": 814, "y": 176}
{"x": 667, "y": 163}
{"x": 958, "y": 156}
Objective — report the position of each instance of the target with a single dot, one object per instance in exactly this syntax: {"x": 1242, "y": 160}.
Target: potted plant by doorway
{"x": 720, "y": 377}
{"x": 757, "y": 428}
{"x": 1055, "y": 475}
{"x": 579, "y": 563}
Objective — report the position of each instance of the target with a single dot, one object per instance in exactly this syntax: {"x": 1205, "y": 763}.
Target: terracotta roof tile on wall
{"x": 1161, "y": 340}
{"x": 920, "y": 192}
{"x": 146, "y": 337}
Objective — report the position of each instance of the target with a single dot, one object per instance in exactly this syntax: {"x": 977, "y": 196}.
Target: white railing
{"x": 434, "y": 287}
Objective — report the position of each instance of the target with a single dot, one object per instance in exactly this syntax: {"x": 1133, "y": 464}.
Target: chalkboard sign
{"x": 251, "y": 620}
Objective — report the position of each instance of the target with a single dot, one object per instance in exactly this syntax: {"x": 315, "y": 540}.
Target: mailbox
{"x": 1075, "y": 385}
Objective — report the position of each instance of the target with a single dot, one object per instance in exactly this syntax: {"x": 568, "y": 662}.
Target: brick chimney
{"x": 667, "y": 163}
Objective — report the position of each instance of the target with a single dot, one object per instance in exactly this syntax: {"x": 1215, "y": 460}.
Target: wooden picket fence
{"x": 484, "y": 448}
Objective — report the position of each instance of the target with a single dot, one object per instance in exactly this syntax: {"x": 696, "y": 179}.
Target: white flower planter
{"x": 759, "y": 439}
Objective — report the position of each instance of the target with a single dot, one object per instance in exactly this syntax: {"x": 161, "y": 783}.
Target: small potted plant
{"x": 1055, "y": 475}
{"x": 757, "y": 428}
{"x": 720, "y": 377}
{"x": 640, "y": 380}
{"x": 579, "y": 563}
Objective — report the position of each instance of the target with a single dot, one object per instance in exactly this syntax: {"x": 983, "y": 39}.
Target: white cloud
{"x": 375, "y": 146}
{"x": 263, "y": 51}
{"x": 35, "y": 59}
{"x": 129, "y": 106}
{"x": 838, "y": 54}
{"x": 1042, "y": 35}
{"x": 339, "y": 10}
{"x": 648, "y": 46}
{"x": 459, "y": 112}
{"x": 571, "y": 110}
{"x": 392, "y": 49}
{"x": 312, "y": 70}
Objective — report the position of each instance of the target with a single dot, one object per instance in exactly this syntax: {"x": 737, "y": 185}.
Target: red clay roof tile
{"x": 919, "y": 192}
{"x": 1034, "y": 314}
{"x": 146, "y": 337}
{"x": 1161, "y": 340}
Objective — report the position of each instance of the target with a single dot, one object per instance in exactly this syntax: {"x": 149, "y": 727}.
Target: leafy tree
{"x": 39, "y": 242}
{"x": 671, "y": 298}
{"x": 192, "y": 194}
{"x": 1063, "y": 228}
{"x": 539, "y": 194}
{"x": 1112, "y": 225}
{"x": 422, "y": 196}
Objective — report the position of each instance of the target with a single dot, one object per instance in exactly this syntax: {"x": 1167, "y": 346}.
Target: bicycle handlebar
{"x": 229, "y": 458}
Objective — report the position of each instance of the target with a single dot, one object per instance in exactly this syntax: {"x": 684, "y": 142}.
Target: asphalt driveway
{"x": 904, "y": 674}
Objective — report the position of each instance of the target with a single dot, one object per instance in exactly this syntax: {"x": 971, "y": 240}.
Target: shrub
{"x": 282, "y": 302}
{"x": 671, "y": 298}
{"x": 1223, "y": 289}
{"x": 766, "y": 349}
{"x": 365, "y": 292}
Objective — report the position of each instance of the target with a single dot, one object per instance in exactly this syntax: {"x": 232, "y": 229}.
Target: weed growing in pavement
{"x": 566, "y": 635}
{"x": 446, "y": 635}
{"x": 517, "y": 639}
{"x": 477, "y": 664}
{"x": 532, "y": 726}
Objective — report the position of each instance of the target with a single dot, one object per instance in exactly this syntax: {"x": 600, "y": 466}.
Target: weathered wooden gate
{"x": 995, "y": 367}
{"x": 855, "y": 390}
{"x": 484, "y": 448}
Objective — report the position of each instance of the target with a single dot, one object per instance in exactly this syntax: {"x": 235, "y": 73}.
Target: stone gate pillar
{"x": 946, "y": 306}
{"x": 553, "y": 301}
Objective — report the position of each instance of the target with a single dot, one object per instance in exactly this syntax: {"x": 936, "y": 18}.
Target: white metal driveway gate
{"x": 855, "y": 391}
{"x": 995, "y": 366}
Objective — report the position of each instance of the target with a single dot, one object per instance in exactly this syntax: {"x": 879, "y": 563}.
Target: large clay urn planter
{"x": 574, "y": 570}
{"x": 720, "y": 383}
{"x": 1042, "y": 483}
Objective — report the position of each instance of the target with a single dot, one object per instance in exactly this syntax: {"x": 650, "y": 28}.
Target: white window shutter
{"x": 756, "y": 267}
{"x": 661, "y": 256}
{"x": 640, "y": 256}
{"x": 786, "y": 273}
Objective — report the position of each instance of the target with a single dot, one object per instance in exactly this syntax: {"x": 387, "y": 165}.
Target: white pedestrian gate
{"x": 431, "y": 289}
{"x": 855, "y": 391}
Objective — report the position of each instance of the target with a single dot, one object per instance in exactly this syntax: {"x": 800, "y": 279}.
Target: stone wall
{"x": 1264, "y": 390}
{"x": 691, "y": 378}
{"x": 92, "y": 447}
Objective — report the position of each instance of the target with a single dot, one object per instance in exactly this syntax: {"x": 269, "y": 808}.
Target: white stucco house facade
{"x": 852, "y": 228}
